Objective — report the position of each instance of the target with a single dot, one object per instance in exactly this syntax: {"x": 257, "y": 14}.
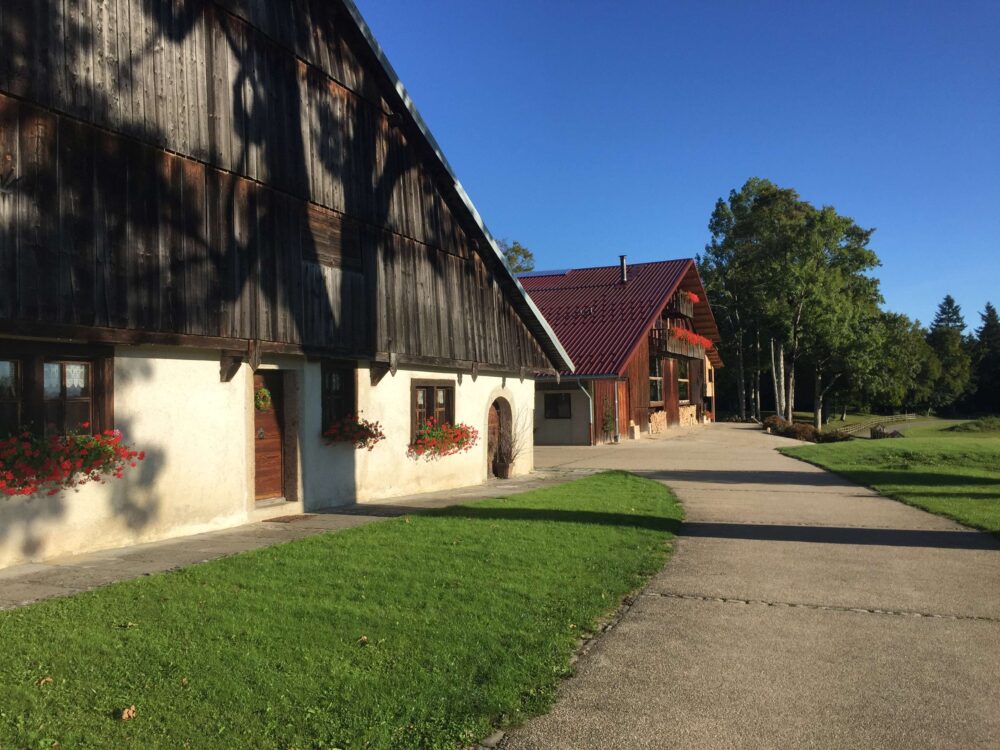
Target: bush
{"x": 983, "y": 424}
{"x": 799, "y": 431}
{"x": 834, "y": 436}
{"x": 776, "y": 424}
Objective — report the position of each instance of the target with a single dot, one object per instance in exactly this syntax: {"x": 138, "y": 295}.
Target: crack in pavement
{"x": 822, "y": 607}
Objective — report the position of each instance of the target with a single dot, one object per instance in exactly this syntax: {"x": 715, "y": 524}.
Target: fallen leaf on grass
{"x": 128, "y": 714}
{"x": 44, "y": 681}
{"x": 363, "y": 640}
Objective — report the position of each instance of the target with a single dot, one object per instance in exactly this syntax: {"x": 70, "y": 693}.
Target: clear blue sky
{"x": 588, "y": 128}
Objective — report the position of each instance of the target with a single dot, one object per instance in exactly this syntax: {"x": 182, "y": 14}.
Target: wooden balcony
{"x": 679, "y": 306}
{"x": 662, "y": 344}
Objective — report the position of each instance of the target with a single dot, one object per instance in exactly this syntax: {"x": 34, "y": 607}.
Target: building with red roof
{"x": 643, "y": 340}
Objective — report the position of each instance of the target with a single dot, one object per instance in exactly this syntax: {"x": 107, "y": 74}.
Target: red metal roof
{"x": 600, "y": 321}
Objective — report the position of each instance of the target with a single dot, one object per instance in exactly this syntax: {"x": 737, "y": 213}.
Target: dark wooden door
{"x": 671, "y": 394}
{"x": 269, "y": 438}
{"x": 493, "y": 433}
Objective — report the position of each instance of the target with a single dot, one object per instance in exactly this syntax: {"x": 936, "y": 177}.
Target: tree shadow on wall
{"x": 124, "y": 232}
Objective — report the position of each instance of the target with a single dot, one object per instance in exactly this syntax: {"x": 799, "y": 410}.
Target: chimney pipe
{"x": 624, "y": 265}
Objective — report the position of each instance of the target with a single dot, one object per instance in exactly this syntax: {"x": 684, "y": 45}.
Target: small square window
{"x": 558, "y": 406}
{"x": 338, "y": 392}
{"x": 432, "y": 399}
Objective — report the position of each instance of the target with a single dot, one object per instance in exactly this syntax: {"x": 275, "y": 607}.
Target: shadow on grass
{"x": 655, "y": 523}
{"x": 970, "y": 540}
{"x": 788, "y": 479}
{"x": 475, "y": 512}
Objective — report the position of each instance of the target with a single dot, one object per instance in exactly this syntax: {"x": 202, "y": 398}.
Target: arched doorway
{"x": 501, "y": 448}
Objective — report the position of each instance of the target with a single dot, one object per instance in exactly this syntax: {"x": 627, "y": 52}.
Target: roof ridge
{"x": 531, "y": 310}
{"x": 566, "y": 271}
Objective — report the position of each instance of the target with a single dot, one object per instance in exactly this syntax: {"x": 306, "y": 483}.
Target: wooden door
{"x": 671, "y": 394}
{"x": 493, "y": 433}
{"x": 269, "y": 438}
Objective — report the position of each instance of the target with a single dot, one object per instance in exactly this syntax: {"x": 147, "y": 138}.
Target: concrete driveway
{"x": 798, "y": 611}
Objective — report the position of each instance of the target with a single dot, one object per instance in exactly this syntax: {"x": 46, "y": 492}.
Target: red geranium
{"x": 437, "y": 439}
{"x": 690, "y": 337}
{"x": 362, "y": 433}
{"x": 30, "y": 464}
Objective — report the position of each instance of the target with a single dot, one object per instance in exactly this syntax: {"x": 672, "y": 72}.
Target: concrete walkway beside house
{"x": 25, "y": 584}
{"x": 799, "y": 610}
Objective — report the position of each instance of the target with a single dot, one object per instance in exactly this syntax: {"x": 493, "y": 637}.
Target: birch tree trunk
{"x": 741, "y": 379}
{"x": 776, "y": 381}
{"x": 818, "y": 399}
{"x": 790, "y": 392}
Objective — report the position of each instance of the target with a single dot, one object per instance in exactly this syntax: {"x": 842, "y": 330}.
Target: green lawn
{"x": 421, "y": 632}
{"x": 954, "y": 474}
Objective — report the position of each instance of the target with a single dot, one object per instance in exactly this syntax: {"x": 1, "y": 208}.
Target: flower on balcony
{"x": 363, "y": 433}
{"x": 438, "y": 439}
{"x": 695, "y": 299}
{"x": 690, "y": 337}
{"x": 30, "y": 464}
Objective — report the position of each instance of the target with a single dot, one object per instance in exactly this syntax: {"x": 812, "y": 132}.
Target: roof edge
{"x": 622, "y": 365}
{"x": 380, "y": 56}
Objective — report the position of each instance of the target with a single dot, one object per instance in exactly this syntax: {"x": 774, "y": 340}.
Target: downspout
{"x": 590, "y": 410}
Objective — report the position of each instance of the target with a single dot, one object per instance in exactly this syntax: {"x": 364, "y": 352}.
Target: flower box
{"x": 362, "y": 433}
{"x": 438, "y": 439}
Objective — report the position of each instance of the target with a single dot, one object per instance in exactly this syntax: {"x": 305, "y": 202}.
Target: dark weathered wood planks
{"x": 231, "y": 170}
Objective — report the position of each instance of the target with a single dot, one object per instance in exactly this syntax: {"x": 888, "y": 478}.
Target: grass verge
{"x": 421, "y": 632}
{"x": 952, "y": 474}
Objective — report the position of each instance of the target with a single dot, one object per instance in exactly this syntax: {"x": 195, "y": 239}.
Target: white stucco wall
{"x": 337, "y": 474}
{"x": 171, "y": 404}
{"x": 573, "y": 431}
{"x": 198, "y": 473}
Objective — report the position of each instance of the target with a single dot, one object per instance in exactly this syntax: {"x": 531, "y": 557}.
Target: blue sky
{"x": 586, "y": 129}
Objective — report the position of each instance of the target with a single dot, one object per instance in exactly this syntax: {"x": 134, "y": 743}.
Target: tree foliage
{"x": 986, "y": 362}
{"x": 952, "y": 351}
{"x": 518, "y": 257}
{"x": 784, "y": 272}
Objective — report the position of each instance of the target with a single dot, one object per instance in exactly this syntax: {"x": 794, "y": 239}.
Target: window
{"x": 52, "y": 390}
{"x": 683, "y": 381}
{"x": 432, "y": 398}
{"x": 10, "y": 397}
{"x": 68, "y": 394}
{"x": 655, "y": 381}
{"x": 338, "y": 392}
{"x": 558, "y": 406}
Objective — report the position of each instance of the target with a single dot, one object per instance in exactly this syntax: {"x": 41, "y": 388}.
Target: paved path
{"x": 25, "y": 584}
{"x": 798, "y": 611}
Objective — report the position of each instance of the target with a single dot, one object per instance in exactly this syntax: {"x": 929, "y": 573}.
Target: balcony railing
{"x": 662, "y": 344}
{"x": 680, "y": 305}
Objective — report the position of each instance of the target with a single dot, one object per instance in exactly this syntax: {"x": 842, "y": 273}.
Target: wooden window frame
{"x": 434, "y": 386}
{"x": 569, "y": 404}
{"x": 686, "y": 363}
{"x": 656, "y": 379}
{"x": 32, "y": 358}
{"x": 329, "y": 410}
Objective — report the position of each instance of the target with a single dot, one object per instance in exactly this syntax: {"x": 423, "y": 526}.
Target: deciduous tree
{"x": 519, "y": 258}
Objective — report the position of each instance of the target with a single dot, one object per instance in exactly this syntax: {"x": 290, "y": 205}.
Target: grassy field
{"x": 952, "y": 473}
{"x": 421, "y": 632}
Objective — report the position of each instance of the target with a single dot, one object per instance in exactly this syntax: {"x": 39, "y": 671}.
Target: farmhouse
{"x": 643, "y": 339}
{"x": 224, "y": 228}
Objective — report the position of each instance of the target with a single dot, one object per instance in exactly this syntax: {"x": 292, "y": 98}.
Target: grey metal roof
{"x": 531, "y": 315}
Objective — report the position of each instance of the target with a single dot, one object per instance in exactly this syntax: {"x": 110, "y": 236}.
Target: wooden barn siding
{"x": 671, "y": 396}
{"x": 287, "y": 140}
{"x": 637, "y": 375}
{"x": 604, "y": 392}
